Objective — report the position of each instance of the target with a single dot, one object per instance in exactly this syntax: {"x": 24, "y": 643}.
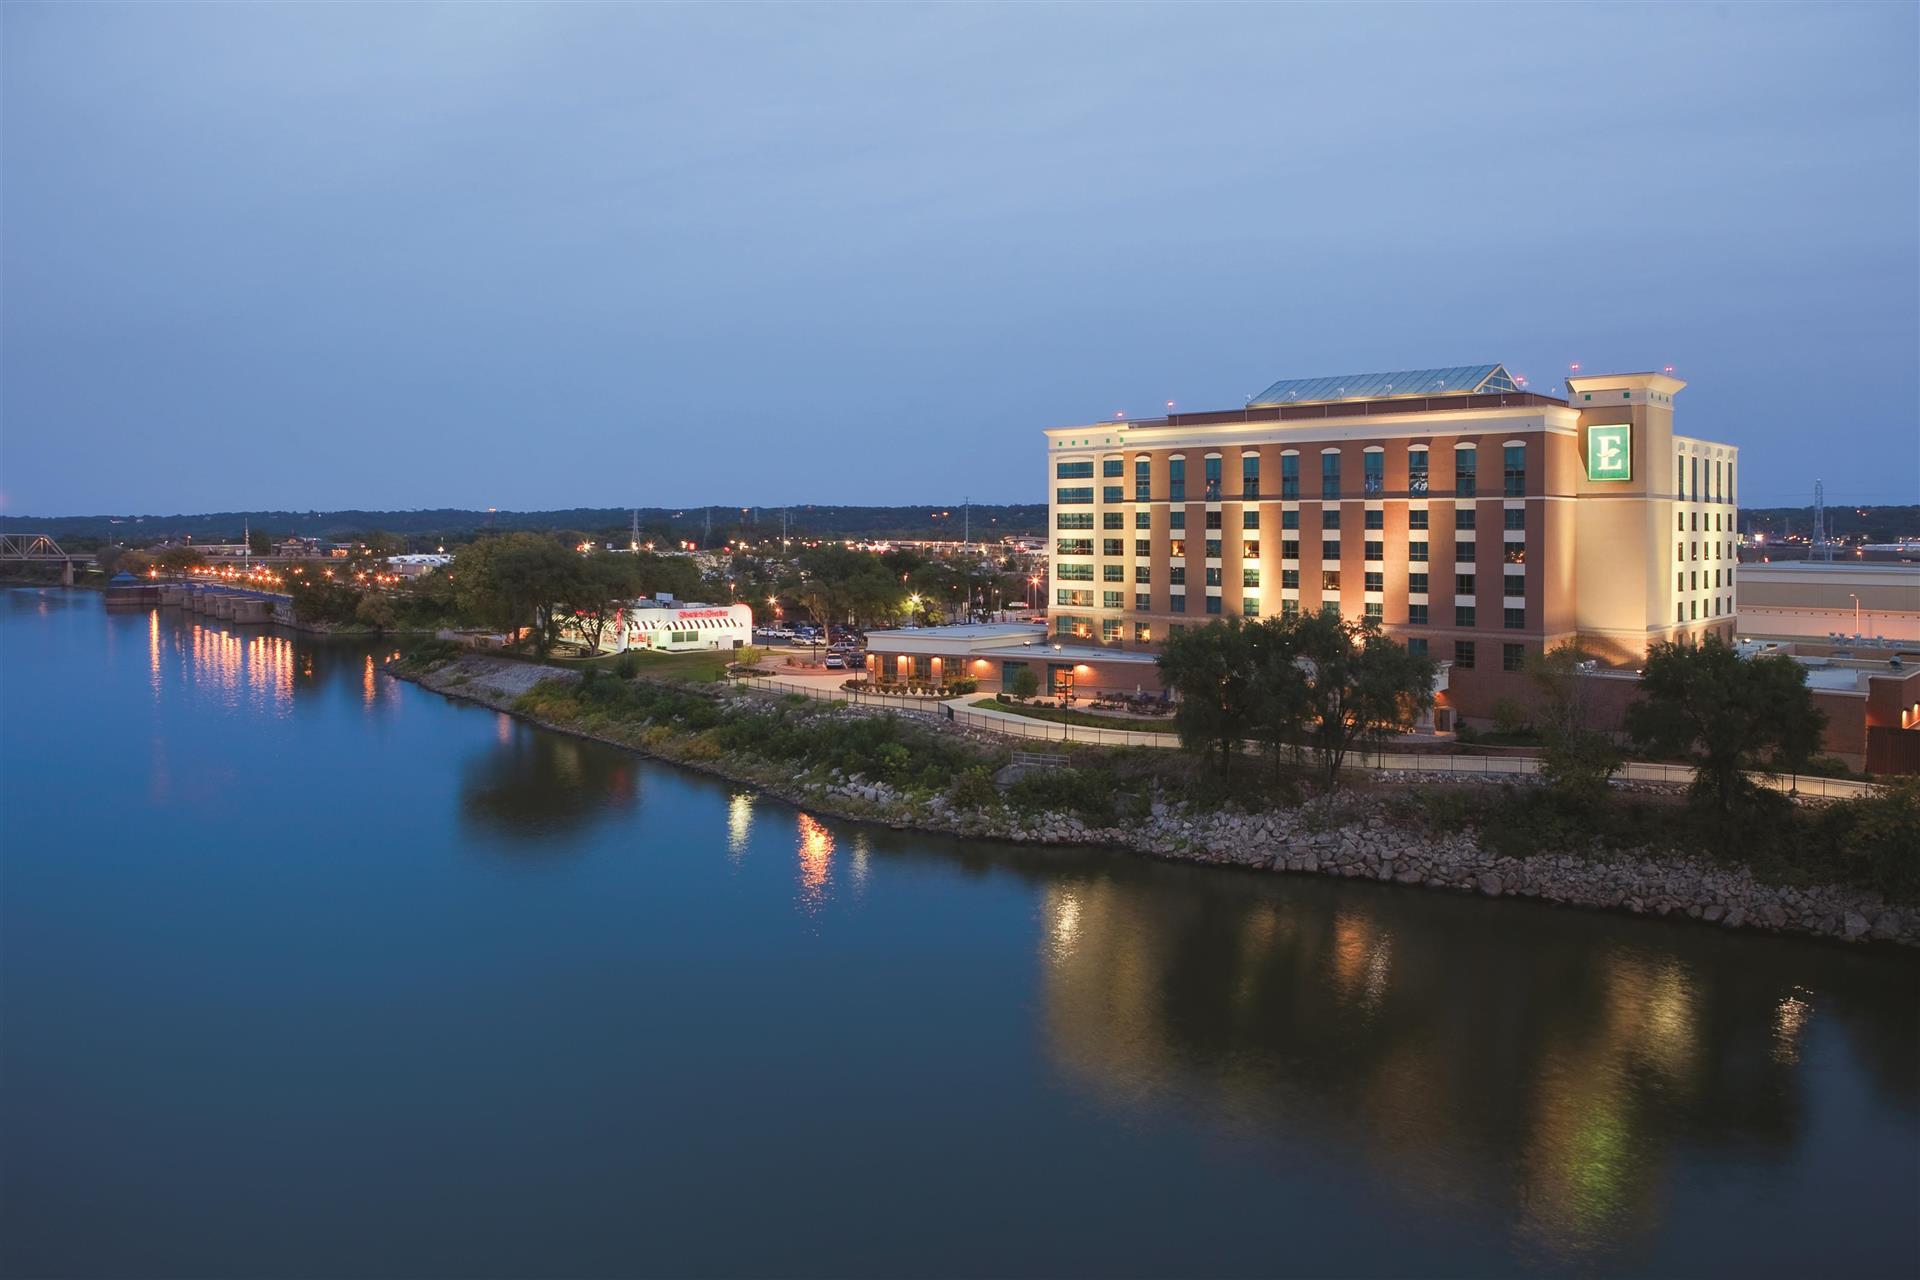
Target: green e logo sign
{"x": 1610, "y": 453}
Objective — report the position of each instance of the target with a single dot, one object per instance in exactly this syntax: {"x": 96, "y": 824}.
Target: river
{"x": 306, "y": 971}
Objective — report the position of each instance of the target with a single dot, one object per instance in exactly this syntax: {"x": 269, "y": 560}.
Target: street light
{"x": 1856, "y": 612}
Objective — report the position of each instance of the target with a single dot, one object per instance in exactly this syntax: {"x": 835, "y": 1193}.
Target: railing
{"x": 1017, "y": 726}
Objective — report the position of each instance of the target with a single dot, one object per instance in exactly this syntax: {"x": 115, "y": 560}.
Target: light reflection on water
{"x": 814, "y": 851}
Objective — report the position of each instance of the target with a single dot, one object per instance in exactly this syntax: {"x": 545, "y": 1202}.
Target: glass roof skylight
{"x": 1459, "y": 380}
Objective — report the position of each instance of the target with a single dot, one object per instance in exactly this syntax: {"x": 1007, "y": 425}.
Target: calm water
{"x": 309, "y": 972}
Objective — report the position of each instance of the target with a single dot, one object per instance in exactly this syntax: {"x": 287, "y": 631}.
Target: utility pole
{"x": 633, "y": 530}
{"x": 966, "y": 520}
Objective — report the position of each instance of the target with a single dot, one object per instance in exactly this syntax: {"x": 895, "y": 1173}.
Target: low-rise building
{"x": 1840, "y": 602}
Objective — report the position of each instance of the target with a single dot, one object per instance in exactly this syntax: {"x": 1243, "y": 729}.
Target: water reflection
{"x": 739, "y": 825}
{"x": 532, "y": 786}
{"x": 1551, "y": 1077}
{"x": 814, "y": 850}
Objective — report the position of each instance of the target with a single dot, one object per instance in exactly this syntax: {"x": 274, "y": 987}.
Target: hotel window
{"x": 1177, "y": 602}
{"x": 1373, "y": 472}
{"x": 1376, "y": 551}
{"x": 1143, "y": 573}
{"x": 1693, "y": 485}
{"x": 1330, "y": 580}
{"x": 1213, "y": 479}
{"x": 1176, "y": 519}
{"x": 1680, "y": 581}
{"x": 1110, "y": 468}
{"x": 1177, "y": 548}
{"x": 1513, "y": 657}
{"x": 1696, "y": 522}
{"x": 1213, "y": 575}
{"x": 1249, "y": 577}
{"x": 1213, "y": 519}
{"x": 1515, "y": 519}
{"x": 1375, "y": 610}
{"x": 1330, "y": 549}
{"x": 1177, "y": 575}
{"x": 1375, "y": 519}
{"x": 1249, "y": 519}
{"x": 1463, "y": 584}
{"x": 1290, "y": 475}
{"x": 1516, "y": 553}
{"x": 1250, "y": 606}
{"x": 1466, "y": 466}
{"x": 1249, "y": 551}
{"x": 1417, "y": 645}
{"x": 1083, "y": 599}
{"x": 1250, "y": 476}
{"x": 1514, "y": 470}
{"x": 1213, "y": 549}
{"x": 1289, "y": 608}
{"x": 1111, "y": 493}
{"x": 1680, "y": 522}
{"x": 1074, "y": 497}
{"x": 1074, "y": 520}
{"x": 1466, "y": 518}
{"x": 1073, "y": 546}
{"x": 1113, "y": 573}
{"x": 1329, "y": 475}
{"x": 1463, "y": 654}
{"x": 1693, "y": 610}
{"x": 1110, "y": 630}
{"x": 1416, "y": 615}
{"x": 1417, "y": 471}
{"x": 1514, "y": 585}
{"x": 1142, "y": 480}
{"x": 1113, "y": 546}
{"x": 1073, "y": 572}
{"x": 1417, "y": 552}
{"x": 1417, "y": 584}
{"x": 1142, "y": 633}
{"x": 1289, "y": 579}
{"x": 1177, "y": 479}
{"x": 1680, "y": 613}
{"x": 1112, "y": 599}
{"x": 1680, "y": 474}
{"x": 1142, "y": 602}
{"x": 1515, "y": 619}
{"x": 1374, "y": 581}
{"x": 1113, "y": 519}
{"x": 1073, "y": 471}
{"x": 1142, "y": 547}
{"x": 1143, "y": 519}
{"x": 1289, "y": 549}
{"x": 1290, "y": 519}
{"x": 1330, "y": 519}
{"x": 1463, "y": 615}
{"x": 1694, "y": 576}
{"x": 1213, "y": 604}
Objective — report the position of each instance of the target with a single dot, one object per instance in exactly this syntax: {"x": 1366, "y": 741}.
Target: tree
{"x": 1725, "y": 715}
{"x": 375, "y": 611}
{"x": 1025, "y": 683}
{"x": 519, "y": 580}
{"x": 1576, "y": 759}
{"x": 605, "y": 584}
{"x": 1211, "y": 669}
{"x": 1280, "y": 692}
{"x": 1361, "y": 685}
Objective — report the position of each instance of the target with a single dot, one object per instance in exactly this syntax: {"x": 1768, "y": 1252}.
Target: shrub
{"x": 973, "y": 789}
{"x": 627, "y": 665}
{"x": 1510, "y": 717}
{"x": 1025, "y": 683}
{"x": 1873, "y": 841}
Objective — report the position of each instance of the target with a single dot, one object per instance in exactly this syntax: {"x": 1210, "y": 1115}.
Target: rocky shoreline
{"x": 1357, "y": 839}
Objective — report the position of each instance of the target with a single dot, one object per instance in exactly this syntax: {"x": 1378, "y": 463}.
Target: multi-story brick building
{"x": 1478, "y": 521}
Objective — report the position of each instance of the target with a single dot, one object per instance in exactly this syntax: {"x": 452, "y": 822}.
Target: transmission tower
{"x": 1822, "y": 548}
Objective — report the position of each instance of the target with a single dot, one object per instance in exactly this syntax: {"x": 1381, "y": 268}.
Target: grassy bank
{"x": 932, "y": 776}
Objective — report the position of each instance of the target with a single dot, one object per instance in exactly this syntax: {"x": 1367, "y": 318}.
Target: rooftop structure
{"x": 1466, "y": 379}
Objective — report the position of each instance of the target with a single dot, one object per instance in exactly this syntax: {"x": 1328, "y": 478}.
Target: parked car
{"x": 835, "y": 661}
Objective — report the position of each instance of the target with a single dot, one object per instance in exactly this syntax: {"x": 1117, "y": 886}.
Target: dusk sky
{"x": 284, "y": 256}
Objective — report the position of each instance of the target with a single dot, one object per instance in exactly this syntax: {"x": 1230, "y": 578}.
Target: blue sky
{"x": 540, "y": 256}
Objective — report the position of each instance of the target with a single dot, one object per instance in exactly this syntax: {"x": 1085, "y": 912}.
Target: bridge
{"x": 39, "y": 548}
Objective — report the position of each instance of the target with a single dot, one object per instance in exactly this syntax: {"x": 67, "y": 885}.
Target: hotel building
{"x": 1477, "y": 521}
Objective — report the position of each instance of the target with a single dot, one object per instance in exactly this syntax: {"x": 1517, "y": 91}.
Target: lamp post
{"x": 1856, "y": 612}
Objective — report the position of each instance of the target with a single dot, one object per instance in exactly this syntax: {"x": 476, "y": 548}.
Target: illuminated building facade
{"x": 1479, "y": 522}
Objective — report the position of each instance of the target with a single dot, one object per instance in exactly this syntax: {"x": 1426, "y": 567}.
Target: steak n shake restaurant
{"x": 994, "y": 653}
